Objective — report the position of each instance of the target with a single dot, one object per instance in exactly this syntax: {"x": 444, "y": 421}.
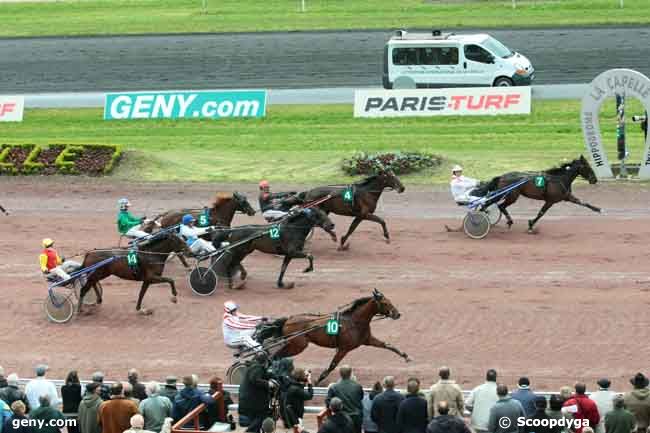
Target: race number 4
{"x": 132, "y": 258}
{"x": 274, "y": 232}
{"x": 332, "y": 327}
{"x": 348, "y": 195}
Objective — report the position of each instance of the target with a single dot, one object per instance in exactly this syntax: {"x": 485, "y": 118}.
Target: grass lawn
{"x": 305, "y": 144}
{"x": 86, "y": 17}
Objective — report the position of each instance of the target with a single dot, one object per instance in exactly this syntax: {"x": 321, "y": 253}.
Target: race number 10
{"x": 332, "y": 327}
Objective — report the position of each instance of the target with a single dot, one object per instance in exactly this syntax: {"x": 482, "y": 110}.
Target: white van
{"x": 417, "y": 60}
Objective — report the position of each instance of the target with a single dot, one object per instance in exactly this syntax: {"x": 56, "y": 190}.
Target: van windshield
{"x": 497, "y": 48}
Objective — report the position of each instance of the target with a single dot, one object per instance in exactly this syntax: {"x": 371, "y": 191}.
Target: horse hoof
{"x": 174, "y": 300}
{"x": 145, "y": 312}
{"x": 407, "y": 359}
{"x": 532, "y": 231}
{"x": 287, "y": 286}
{"x": 307, "y": 270}
{"x": 387, "y": 240}
{"x": 344, "y": 247}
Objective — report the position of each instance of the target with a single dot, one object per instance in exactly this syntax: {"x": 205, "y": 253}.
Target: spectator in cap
{"x": 604, "y": 399}
{"x": 444, "y": 422}
{"x": 505, "y": 407}
{"x": 540, "y": 414}
{"x": 137, "y": 425}
{"x": 155, "y": 408}
{"x": 446, "y": 390}
{"x": 412, "y": 415}
{"x": 169, "y": 390}
{"x": 115, "y": 414}
{"x": 619, "y": 419}
{"x": 104, "y": 390}
{"x": 13, "y": 392}
{"x": 338, "y": 421}
{"x": 87, "y": 419}
{"x": 525, "y": 396}
{"x": 481, "y": 400}
{"x": 47, "y": 414}
{"x": 638, "y": 401}
{"x": 581, "y": 407}
{"x": 18, "y": 408}
{"x": 139, "y": 391}
{"x": 385, "y": 408}
{"x": 3, "y": 380}
{"x": 40, "y": 386}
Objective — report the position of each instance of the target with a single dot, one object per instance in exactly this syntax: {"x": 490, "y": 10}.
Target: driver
{"x": 275, "y": 205}
{"x": 238, "y": 329}
{"x": 127, "y": 224}
{"x": 52, "y": 263}
{"x": 191, "y": 234}
{"x": 464, "y": 189}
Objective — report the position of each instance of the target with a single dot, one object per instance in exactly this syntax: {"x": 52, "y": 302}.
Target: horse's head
{"x": 390, "y": 180}
{"x": 584, "y": 169}
{"x": 319, "y": 218}
{"x": 384, "y": 306}
{"x": 242, "y": 204}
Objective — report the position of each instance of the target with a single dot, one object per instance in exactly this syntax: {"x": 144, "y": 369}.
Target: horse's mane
{"x": 356, "y": 304}
{"x": 561, "y": 169}
{"x": 367, "y": 180}
{"x": 221, "y": 197}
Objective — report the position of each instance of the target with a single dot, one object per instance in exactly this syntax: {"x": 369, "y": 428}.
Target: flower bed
{"x": 398, "y": 162}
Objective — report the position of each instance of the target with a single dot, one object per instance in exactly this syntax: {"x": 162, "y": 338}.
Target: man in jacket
{"x": 13, "y": 392}
{"x": 481, "y": 400}
{"x": 446, "y": 390}
{"x": 604, "y": 399}
{"x": 444, "y": 422}
{"x": 189, "y": 398}
{"x": 275, "y": 205}
{"x": 412, "y": 414}
{"x": 170, "y": 390}
{"x": 638, "y": 401}
{"x": 525, "y": 396}
{"x": 296, "y": 396}
{"x": 104, "y": 390}
{"x": 351, "y": 394}
{"x": 139, "y": 390}
{"x": 504, "y": 414}
{"x": 47, "y": 415}
{"x": 254, "y": 392}
{"x": 127, "y": 224}
{"x": 540, "y": 414}
{"x": 89, "y": 409}
{"x": 581, "y": 407}
{"x": 155, "y": 408}
{"x": 115, "y": 414}
{"x": 619, "y": 419}
{"x": 338, "y": 421}
{"x": 385, "y": 407}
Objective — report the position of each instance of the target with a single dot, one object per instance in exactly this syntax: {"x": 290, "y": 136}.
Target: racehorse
{"x": 291, "y": 235}
{"x": 556, "y": 187}
{"x": 151, "y": 257}
{"x": 364, "y": 197}
{"x": 353, "y": 330}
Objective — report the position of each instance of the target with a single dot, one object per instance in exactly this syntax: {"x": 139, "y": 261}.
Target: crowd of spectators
{"x": 135, "y": 407}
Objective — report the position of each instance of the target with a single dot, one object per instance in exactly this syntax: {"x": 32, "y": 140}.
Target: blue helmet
{"x": 188, "y": 219}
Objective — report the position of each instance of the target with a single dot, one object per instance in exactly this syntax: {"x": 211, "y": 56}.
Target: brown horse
{"x": 365, "y": 195}
{"x": 354, "y": 330}
{"x": 151, "y": 257}
{"x": 551, "y": 186}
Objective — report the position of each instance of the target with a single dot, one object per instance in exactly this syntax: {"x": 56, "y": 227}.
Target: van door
{"x": 426, "y": 66}
{"x": 479, "y": 67}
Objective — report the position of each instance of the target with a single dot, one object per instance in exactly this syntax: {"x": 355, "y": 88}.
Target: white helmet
{"x": 456, "y": 168}
{"x": 230, "y": 306}
{"x": 123, "y": 203}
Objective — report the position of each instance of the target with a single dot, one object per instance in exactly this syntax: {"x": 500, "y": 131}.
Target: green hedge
{"x": 68, "y": 160}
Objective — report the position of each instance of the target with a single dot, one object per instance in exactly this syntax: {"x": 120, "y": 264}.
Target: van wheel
{"x": 503, "y": 82}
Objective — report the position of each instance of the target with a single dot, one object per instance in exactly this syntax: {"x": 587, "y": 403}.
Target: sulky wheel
{"x": 203, "y": 281}
{"x": 494, "y": 214}
{"x": 59, "y": 307}
{"x": 476, "y": 224}
{"x": 235, "y": 373}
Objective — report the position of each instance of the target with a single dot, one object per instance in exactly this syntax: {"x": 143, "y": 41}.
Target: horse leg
{"x": 340, "y": 354}
{"x": 143, "y": 290}
{"x": 82, "y": 294}
{"x": 540, "y": 214}
{"x": 375, "y": 342}
{"x": 285, "y": 263}
{"x": 98, "y": 294}
{"x": 510, "y": 199}
{"x": 183, "y": 261}
{"x": 353, "y": 227}
{"x": 571, "y": 198}
{"x": 380, "y": 221}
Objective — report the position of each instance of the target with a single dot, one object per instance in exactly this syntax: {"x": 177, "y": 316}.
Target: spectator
{"x": 385, "y": 408}
{"x": 604, "y": 399}
{"x": 155, "y": 408}
{"x": 296, "y": 396}
{"x": 71, "y": 395}
{"x": 444, "y": 422}
{"x": 446, "y": 390}
{"x": 368, "y": 424}
{"x": 540, "y": 414}
{"x": 505, "y": 407}
{"x": 3, "y": 380}
{"x": 5, "y": 413}
{"x": 351, "y": 394}
{"x": 525, "y": 396}
{"x": 619, "y": 419}
{"x": 211, "y": 414}
{"x": 12, "y": 425}
{"x": 254, "y": 393}
{"x": 128, "y": 393}
{"x": 139, "y": 391}
{"x": 104, "y": 390}
{"x": 115, "y": 414}
{"x": 338, "y": 421}
{"x": 35, "y": 388}
{"x": 13, "y": 393}
{"x": 89, "y": 409}
{"x": 412, "y": 414}
{"x": 137, "y": 425}
{"x": 189, "y": 398}
{"x": 481, "y": 400}
{"x": 581, "y": 407}
{"x": 565, "y": 393}
{"x": 48, "y": 415}
{"x": 268, "y": 426}
{"x": 554, "y": 410}
{"x": 638, "y": 402}
{"x": 169, "y": 390}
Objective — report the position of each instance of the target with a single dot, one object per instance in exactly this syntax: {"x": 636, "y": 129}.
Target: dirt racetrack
{"x": 568, "y": 303}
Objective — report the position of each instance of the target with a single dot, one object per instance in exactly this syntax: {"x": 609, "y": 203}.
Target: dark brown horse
{"x": 354, "y": 330}
{"x": 151, "y": 257}
{"x": 551, "y": 186}
{"x": 365, "y": 195}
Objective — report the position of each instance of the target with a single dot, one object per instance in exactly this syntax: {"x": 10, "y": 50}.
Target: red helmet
{"x": 264, "y": 184}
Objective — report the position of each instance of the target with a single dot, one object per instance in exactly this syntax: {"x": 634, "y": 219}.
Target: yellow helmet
{"x": 47, "y": 242}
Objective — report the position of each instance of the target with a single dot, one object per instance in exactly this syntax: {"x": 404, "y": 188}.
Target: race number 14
{"x": 332, "y": 327}
{"x": 132, "y": 258}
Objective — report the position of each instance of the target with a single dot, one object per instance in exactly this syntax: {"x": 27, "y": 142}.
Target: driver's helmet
{"x": 47, "y": 243}
{"x": 124, "y": 203}
{"x": 264, "y": 184}
{"x": 456, "y": 169}
{"x": 188, "y": 218}
{"x": 230, "y": 307}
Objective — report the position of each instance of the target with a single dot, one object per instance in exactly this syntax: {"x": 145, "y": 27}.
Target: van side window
{"x": 477, "y": 54}
{"x": 425, "y": 56}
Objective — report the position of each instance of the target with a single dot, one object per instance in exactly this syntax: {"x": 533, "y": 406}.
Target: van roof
{"x": 407, "y": 37}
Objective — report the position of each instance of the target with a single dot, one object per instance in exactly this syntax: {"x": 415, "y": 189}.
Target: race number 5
{"x": 274, "y": 232}
{"x": 203, "y": 220}
{"x": 332, "y": 327}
